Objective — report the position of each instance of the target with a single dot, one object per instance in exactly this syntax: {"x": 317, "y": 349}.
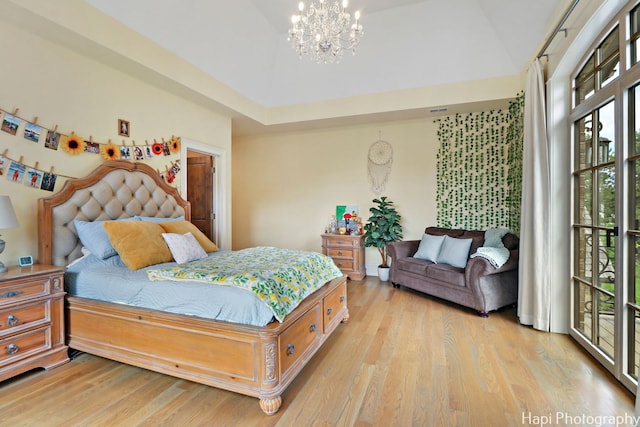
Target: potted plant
{"x": 382, "y": 228}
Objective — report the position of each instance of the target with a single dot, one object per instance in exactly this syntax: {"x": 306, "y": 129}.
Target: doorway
{"x": 200, "y": 191}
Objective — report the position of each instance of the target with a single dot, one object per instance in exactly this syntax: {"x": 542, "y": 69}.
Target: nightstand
{"x": 31, "y": 319}
{"x": 347, "y": 253}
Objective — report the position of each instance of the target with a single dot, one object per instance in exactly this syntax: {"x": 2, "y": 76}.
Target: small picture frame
{"x": 124, "y": 128}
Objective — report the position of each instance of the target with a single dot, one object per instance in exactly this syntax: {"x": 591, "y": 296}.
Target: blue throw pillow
{"x": 429, "y": 247}
{"x": 95, "y": 239}
{"x": 454, "y": 252}
{"x": 493, "y": 237}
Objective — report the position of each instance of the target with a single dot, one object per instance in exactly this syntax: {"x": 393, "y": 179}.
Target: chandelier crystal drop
{"x": 324, "y": 31}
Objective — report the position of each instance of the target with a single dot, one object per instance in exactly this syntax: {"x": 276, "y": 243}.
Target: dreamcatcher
{"x": 380, "y": 161}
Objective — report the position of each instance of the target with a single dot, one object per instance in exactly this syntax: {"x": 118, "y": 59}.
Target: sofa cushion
{"x": 429, "y": 247}
{"x": 454, "y": 252}
{"x": 412, "y": 265}
{"x": 447, "y": 273}
{"x": 511, "y": 241}
{"x": 477, "y": 238}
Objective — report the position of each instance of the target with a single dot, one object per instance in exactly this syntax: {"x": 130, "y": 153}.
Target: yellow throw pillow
{"x": 183, "y": 227}
{"x": 139, "y": 243}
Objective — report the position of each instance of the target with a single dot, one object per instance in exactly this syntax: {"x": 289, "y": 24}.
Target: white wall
{"x": 64, "y": 88}
{"x": 287, "y": 185}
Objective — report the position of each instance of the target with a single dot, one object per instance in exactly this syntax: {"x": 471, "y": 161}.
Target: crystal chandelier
{"x": 324, "y": 31}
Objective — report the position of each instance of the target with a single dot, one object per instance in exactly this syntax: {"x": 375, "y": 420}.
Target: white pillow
{"x": 454, "y": 252}
{"x": 429, "y": 247}
{"x": 184, "y": 247}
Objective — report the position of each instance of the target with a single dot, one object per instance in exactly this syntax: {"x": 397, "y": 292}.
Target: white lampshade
{"x": 8, "y": 217}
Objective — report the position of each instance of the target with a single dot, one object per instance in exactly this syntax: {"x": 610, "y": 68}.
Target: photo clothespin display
{"x": 138, "y": 152}
{"x": 48, "y": 180}
{"x": 32, "y": 131}
{"x": 92, "y": 147}
{"x": 171, "y": 176}
{"x": 125, "y": 152}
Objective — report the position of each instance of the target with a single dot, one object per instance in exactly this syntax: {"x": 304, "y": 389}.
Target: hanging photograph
{"x": 48, "y": 181}
{"x": 148, "y": 152}
{"x": 32, "y": 132}
{"x": 10, "y": 124}
{"x": 138, "y": 154}
{"x": 91, "y": 147}
{"x": 125, "y": 153}
{"x": 175, "y": 168}
{"x": 170, "y": 176}
{"x": 52, "y": 140}
{"x": 166, "y": 149}
{"x": 15, "y": 172}
{"x": 34, "y": 178}
{"x": 3, "y": 164}
{"x": 123, "y": 128}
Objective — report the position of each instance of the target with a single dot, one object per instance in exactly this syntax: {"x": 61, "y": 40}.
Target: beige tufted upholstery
{"x": 120, "y": 192}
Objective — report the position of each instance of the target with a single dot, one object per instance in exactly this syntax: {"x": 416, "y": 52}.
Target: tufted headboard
{"x": 116, "y": 189}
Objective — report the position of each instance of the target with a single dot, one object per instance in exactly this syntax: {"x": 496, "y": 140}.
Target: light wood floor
{"x": 403, "y": 359}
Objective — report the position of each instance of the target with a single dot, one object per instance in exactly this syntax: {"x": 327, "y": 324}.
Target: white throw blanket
{"x": 496, "y": 256}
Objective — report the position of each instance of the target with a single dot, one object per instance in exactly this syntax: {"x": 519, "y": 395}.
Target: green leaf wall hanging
{"x": 479, "y": 169}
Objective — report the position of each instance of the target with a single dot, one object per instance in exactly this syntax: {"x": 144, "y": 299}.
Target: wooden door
{"x": 200, "y": 192}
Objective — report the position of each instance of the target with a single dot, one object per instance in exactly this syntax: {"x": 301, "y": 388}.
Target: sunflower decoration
{"x": 157, "y": 148}
{"x": 174, "y": 144}
{"x": 110, "y": 151}
{"x": 73, "y": 144}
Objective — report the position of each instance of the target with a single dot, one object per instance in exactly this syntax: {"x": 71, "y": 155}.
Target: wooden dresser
{"x": 31, "y": 319}
{"x": 347, "y": 252}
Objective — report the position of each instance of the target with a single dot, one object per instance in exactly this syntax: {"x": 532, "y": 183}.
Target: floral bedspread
{"x": 281, "y": 278}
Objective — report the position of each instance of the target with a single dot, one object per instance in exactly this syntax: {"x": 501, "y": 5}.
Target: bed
{"x": 258, "y": 361}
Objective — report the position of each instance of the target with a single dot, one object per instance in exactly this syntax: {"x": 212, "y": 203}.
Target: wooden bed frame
{"x": 255, "y": 361}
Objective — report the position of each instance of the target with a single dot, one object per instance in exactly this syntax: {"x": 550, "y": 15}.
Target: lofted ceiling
{"x": 407, "y": 44}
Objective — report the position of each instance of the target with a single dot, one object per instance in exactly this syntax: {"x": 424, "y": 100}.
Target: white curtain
{"x": 534, "y": 285}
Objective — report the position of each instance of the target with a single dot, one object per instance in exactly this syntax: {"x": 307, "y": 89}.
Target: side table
{"x": 31, "y": 319}
{"x": 347, "y": 252}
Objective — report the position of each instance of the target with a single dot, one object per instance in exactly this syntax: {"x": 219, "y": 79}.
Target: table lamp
{"x": 7, "y": 220}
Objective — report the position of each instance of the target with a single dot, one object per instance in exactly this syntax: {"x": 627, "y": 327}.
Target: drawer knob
{"x": 341, "y": 298}
{"x": 329, "y": 311}
{"x": 11, "y": 294}
{"x": 339, "y": 252}
{"x": 12, "y": 320}
{"x": 13, "y": 349}
{"x": 312, "y": 327}
{"x": 290, "y": 349}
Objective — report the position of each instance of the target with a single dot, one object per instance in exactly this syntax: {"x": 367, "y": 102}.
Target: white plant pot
{"x": 383, "y": 274}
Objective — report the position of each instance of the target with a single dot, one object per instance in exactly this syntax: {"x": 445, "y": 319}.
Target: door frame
{"x": 219, "y": 185}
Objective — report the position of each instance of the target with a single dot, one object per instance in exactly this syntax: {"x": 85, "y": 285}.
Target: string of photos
{"x": 16, "y": 170}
